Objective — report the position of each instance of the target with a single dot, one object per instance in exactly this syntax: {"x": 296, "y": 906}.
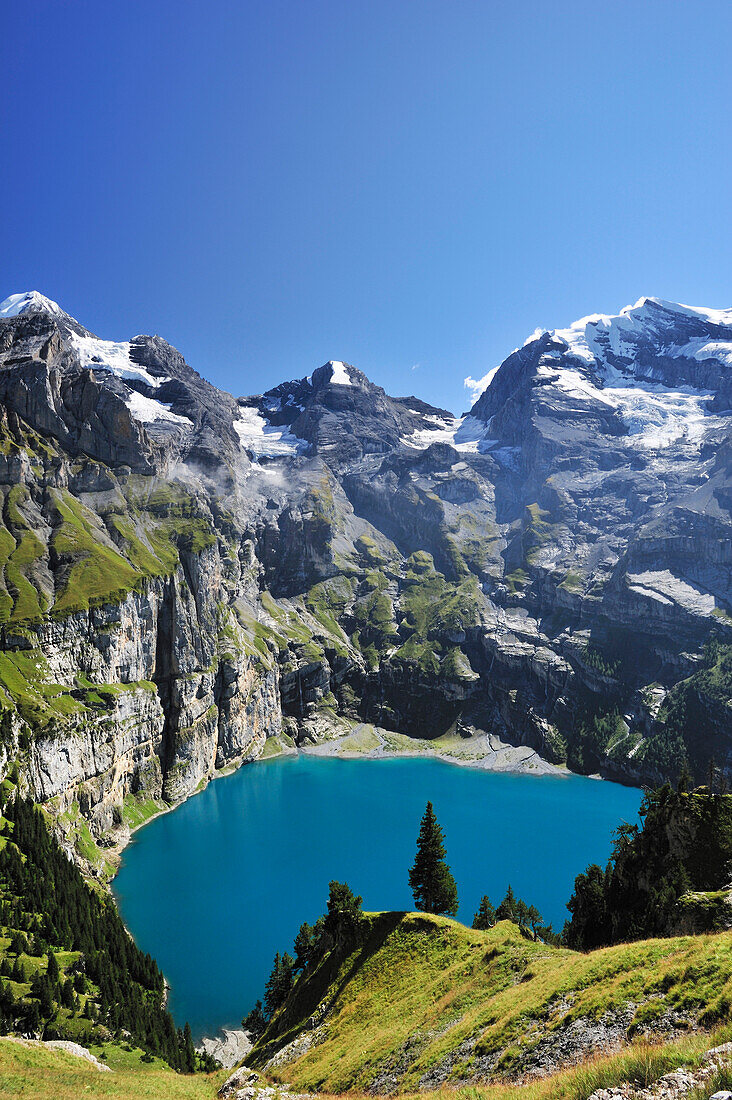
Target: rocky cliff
{"x": 182, "y": 572}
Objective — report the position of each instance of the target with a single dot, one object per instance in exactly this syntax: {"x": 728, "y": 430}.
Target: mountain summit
{"x": 32, "y": 301}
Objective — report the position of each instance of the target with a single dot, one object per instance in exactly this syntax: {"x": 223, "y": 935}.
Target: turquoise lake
{"x": 214, "y": 888}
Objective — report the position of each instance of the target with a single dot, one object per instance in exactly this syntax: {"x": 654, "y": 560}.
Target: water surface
{"x": 214, "y": 888}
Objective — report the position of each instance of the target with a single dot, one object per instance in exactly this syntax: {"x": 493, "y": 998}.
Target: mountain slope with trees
{"x": 68, "y": 967}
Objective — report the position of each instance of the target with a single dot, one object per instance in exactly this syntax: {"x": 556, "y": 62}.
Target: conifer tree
{"x": 685, "y": 782}
{"x": 188, "y": 1053}
{"x": 279, "y": 983}
{"x": 485, "y": 918}
{"x": 522, "y": 913}
{"x": 255, "y": 1022}
{"x": 534, "y": 917}
{"x": 430, "y": 879}
{"x": 507, "y": 909}
{"x": 52, "y": 969}
{"x": 344, "y": 908}
{"x": 303, "y": 945}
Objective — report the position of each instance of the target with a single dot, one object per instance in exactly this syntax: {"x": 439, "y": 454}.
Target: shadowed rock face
{"x": 549, "y": 566}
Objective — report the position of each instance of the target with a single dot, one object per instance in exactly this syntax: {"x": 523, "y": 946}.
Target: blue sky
{"x": 410, "y": 186}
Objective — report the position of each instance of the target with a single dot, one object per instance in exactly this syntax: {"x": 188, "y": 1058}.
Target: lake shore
{"x": 479, "y": 750}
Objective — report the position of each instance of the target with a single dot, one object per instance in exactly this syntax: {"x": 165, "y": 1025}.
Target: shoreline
{"x": 480, "y": 750}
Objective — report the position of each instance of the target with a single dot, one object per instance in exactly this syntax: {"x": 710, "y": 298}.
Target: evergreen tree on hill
{"x": 507, "y": 909}
{"x": 534, "y": 919}
{"x": 344, "y": 908}
{"x": 255, "y": 1022}
{"x": 485, "y": 918}
{"x": 279, "y": 983}
{"x": 430, "y": 879}
{"x": 188, "y": 1053}
{"x": 52, "y": 969}
{"x": 522, "y": 913}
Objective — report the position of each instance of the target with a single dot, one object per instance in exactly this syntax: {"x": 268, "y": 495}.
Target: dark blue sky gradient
{"x": 397, "y": 184}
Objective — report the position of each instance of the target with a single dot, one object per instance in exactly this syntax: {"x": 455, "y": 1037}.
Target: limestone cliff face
{"x": 173, "y": 709}
{"x": 181, "y": 571}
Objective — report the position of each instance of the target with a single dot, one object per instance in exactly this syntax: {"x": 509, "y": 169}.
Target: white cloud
{"x": 480, "y": 385}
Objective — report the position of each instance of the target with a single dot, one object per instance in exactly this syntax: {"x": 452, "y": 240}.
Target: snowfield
{"x": 148, "y": 411}
{"x": 655, "y": 415}
{"x": 263, "y": 439}
{"x": 467, "y": 434}
{"x": 99, "y": 354}
{"x": 339, "y": 374}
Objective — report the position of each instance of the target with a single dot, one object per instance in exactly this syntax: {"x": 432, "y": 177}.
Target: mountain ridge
{"x": 186, "y": 573}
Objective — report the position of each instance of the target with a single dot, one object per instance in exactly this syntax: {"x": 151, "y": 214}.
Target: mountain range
{"x": 186, "y": 575}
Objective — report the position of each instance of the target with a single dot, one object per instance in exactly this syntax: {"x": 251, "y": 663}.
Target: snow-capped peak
{"x": 31, "y": 301}
{"x": 647, "y": 313}
{"x": 711, "y": 316}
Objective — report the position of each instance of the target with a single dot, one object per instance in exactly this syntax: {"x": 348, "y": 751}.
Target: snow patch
{"x": 30, "y": 300}
{"x": 655, "y": 415}
{"x": 339, "y": 375}
{"x": 264, "y": 439}
{"x": 114, "y": 357}
{"x": 467, "y": 434}
{"x": 148, "y": 411}
{"x": 592, "y": 337}
{"x": 440, "y": 431}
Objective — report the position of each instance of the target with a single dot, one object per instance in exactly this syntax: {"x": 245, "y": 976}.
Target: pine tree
{"x": 303, "y": 945}
{"x": 52, "y": 969}
{"x": 522, "y": 913}
{"x": 344, "y": 908}
{"x": 534, "y": 920}
{"x": 507, "y": 909}
{"x": 685, "y": 782}
{"x": 486, "y": 916}
{"x": 67, "y": 994}
{"x": 279, "y": 983}
{"x": 188, "y": 1053}
{"x": 430, "y": 879}
{"x": 18, "y": 944}
{"x": 255, "y": 1022}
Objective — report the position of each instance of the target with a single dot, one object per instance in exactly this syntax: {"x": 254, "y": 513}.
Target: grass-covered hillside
{"x": 41, "y": 1073}
{"x": 409, "y": 1001}
{"x": 35, "y": 1071}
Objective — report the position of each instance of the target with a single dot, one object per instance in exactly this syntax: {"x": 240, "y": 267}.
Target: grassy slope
{"x": 43, "y": 1074}
{"x": 436, "y": 983}
{"x": 53, "y": 1075}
